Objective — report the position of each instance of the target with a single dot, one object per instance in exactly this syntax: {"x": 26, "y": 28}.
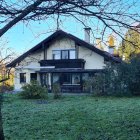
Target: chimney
{"x": 111, "y": 49}
{"x": 99, "y": 43}
{"x": 111, "y": 46}
{"x": 87, "y": 34}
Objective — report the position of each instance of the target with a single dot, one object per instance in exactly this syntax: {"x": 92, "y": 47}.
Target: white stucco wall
{"x": 93, "y": 60}
{"x": 60, "y": 44}
{"x": 31, "y": 61}
{"x": 17, "y": 84}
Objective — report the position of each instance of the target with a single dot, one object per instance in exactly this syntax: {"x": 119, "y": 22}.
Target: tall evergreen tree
{"x": 130, "y": 46}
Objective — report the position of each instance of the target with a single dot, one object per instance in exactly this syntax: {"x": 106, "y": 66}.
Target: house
{"x": 61, "y": 58}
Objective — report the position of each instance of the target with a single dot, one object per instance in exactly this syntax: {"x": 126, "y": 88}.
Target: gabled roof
{"x": 59, "y": 34}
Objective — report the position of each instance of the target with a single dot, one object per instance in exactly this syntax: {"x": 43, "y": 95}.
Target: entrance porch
{"x": 70, "y": 80}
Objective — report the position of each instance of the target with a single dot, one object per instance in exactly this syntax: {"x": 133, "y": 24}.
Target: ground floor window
{"x": 44, "y": 79}
{"x": 55, "y": 78}
{"x": 66, "y": 78}
{"x": 22, "y": 77}
{"x": 69, "y": 82}
{"x": 76, "y": 78}
{"x": 33, "y": 76}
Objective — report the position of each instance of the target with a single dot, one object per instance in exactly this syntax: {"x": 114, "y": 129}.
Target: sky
{"x": 21, "y": 37}
{"x": 24, "y": 36}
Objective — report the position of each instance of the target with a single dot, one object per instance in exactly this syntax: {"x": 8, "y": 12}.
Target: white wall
{"x": 93, "y": 60}
{"x": 17, "y": 83}
{"x": 60, "y": 44}
{"x": 31, "y": 60}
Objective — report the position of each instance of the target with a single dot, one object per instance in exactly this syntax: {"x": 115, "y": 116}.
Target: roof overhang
{"x": 69, "y": 70}
{"x": 59, "y": 34}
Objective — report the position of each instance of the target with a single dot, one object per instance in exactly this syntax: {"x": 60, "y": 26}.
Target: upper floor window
{"x": 22, "y": 77}
{"x": 56, "y": 54}
{"x": 64, "y": 54}
{"x": 72, "y": 54}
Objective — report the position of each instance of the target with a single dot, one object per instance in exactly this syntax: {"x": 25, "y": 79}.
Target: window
{"x": 56, "y": 54}
{"x": 72, "y": 54}
{"x": 33, "y": 76}
{"x": 75, "y": 78}
{"x": 22, "y": 77}
{"x": 70, "y": 78}
{"x": 67, "y": 78}
{"x": 44, "y": 79}
{"x": 65, "y": 54}
{"x": 55, "y": 78}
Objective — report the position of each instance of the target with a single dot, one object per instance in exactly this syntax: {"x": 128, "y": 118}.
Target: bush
{"x": 56, "y": 91}
{"x": 134, "y": 76}
{"x": 34, "y": 90}
{"x": 118, "y": 79}
{"x": 6, "y": 88}
{"x": 87, "y": 85}
{"x": 97, "y": 81}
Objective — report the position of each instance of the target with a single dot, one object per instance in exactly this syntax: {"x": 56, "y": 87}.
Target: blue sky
{"x": 24, "y": 36}
{"x": 21, "y": 37}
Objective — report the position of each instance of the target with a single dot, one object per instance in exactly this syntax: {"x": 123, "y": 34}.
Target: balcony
{"x": 64, "y": 63}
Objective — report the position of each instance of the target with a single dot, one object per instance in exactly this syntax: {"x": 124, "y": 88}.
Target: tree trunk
{"x": 1, "y": 127}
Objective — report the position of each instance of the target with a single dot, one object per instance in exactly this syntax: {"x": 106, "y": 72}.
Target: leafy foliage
{"x": 119, "y": 80}
{"x": 56, "y": 91}
{"x": 131, "y": 45}
{"x": 6, "y": 88}
{"x": 34, "y": 90}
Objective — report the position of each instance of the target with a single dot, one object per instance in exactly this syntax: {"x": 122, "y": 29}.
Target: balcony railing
{"x": 64, "y": 63}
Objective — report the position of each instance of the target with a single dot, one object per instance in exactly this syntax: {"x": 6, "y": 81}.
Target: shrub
{"x": 134, "y": 75}
{"x": 118, "y": 79}
{"x": 34, "y": 90}
{"x": 6, "y": 88}
{"x": 97, "y": 81}
{"x": 56, "y": 91}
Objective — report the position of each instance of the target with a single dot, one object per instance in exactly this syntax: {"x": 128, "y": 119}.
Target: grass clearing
{"x": 71, "y": 118}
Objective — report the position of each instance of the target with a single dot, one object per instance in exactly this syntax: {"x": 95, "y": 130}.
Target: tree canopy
{"x": 130, "y": 46}
{"x": 112, "y": 14}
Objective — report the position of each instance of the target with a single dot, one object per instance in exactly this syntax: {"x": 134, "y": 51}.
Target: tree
{"x": 6, "y": 56}
{"x": 131, "y": 45}
{"x": 113, "y": 14}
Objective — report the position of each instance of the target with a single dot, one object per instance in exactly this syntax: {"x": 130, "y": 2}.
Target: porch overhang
{"x": 70, "y": 70}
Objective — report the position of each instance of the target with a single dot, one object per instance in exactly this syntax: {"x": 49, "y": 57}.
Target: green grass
{"x": 72, "y": 118}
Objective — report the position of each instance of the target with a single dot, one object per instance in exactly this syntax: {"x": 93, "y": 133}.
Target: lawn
{"x": 72, "y": 118}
